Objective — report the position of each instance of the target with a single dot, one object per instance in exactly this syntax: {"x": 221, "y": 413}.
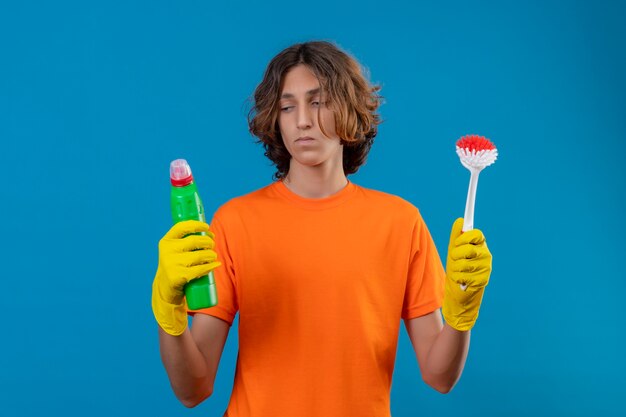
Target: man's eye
{"x": 286, "y": 108}
{"x": 315, "y": 103}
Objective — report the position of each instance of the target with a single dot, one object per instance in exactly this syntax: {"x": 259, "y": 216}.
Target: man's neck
{"x": 315, "y": 182}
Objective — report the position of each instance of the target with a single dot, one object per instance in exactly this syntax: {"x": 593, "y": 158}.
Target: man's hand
{"x": 180, "y": 261}
{"x": 469, "y": 264}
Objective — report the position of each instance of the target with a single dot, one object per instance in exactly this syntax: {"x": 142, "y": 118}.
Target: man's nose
{"x": 305, "y": 117}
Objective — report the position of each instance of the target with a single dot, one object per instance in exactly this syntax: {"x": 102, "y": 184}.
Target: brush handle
{"x": 468, "y": 219}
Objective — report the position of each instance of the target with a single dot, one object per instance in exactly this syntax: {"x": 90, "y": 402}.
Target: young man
{"x": 319, "y": 269}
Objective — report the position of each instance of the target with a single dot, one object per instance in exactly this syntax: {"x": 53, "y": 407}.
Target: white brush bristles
{"x": 477, "y": 159}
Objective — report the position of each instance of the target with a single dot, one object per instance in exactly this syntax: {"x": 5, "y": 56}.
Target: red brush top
{"x": 475, "y": 143}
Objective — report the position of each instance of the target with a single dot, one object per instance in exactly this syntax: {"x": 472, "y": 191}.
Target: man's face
{"x": 302, "y": 109}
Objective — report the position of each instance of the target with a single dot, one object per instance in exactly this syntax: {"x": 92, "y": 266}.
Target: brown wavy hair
{"x": 349, "y": 94}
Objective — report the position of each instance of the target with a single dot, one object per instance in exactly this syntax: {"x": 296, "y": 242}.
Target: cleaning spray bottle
{"x": 186, "y": 205}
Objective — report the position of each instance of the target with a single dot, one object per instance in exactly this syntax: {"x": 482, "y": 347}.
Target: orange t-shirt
{"x": 320, "y": 286}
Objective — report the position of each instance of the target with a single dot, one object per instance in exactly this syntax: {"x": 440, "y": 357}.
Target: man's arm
{"x": 191, "y": 359}
{"x": 440, "y": 349}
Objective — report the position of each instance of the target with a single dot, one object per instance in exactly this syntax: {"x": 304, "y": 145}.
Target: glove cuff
{"x": 460, "y": 308}
{"x": 171, "y": 317}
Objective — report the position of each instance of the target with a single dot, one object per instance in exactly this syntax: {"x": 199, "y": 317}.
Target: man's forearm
{"x": 446, "y": 359}
{"x": 186, "y": 368}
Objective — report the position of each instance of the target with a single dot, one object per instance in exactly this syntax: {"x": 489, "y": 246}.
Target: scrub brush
{"x": 476, "y": 152}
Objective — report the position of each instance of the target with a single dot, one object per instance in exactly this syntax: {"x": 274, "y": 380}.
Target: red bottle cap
{"x": 180, "y": 173}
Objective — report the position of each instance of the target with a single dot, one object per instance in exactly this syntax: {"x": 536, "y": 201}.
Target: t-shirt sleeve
{"x": 227, "y": 305}
{"x": 425, "y": 284}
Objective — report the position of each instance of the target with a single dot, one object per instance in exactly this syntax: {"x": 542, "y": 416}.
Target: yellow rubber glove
{"x": 468, "y": 263}
{"x": 180, "y": 261}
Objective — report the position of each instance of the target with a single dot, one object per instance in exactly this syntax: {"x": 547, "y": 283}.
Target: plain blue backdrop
{"x": 96, "y": 98}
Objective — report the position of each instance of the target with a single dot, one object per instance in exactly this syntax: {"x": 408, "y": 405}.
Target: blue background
{"x": 97, "y": 97}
